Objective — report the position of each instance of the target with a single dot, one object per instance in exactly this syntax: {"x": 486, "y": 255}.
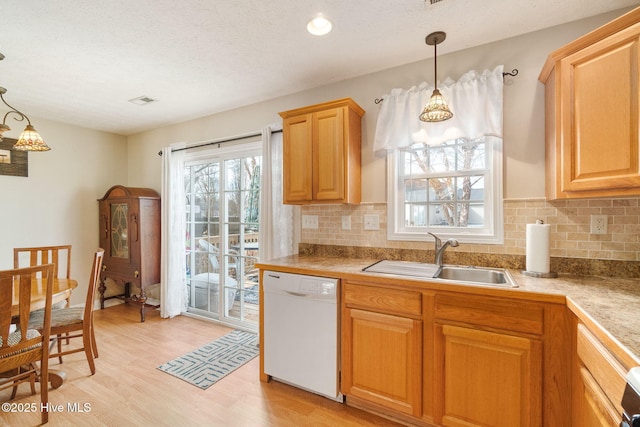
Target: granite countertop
{"x": 609, "y": 302}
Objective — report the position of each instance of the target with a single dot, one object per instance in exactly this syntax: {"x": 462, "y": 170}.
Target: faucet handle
{"x": 437, "y": 239}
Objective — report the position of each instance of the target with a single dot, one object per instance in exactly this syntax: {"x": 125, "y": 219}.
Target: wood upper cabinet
{"x": 592, "y": 90}
{"x": 321, "y": 148}
{"x": 382, "y": 348}
{"x": 488, "y": 354}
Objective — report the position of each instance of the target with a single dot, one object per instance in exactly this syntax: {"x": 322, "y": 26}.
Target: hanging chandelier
{"x": 30, "y": 139}
{"x": 436, "y": 109}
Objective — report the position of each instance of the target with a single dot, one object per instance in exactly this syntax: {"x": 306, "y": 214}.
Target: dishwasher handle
{"x": 296, "y": 294}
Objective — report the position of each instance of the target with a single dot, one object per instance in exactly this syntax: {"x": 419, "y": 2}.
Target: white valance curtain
{"x": 475, "y": 100}
{"x": 173, "y": 289}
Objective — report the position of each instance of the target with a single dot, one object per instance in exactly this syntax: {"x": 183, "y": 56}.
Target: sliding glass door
{"x": 222, "y": 189}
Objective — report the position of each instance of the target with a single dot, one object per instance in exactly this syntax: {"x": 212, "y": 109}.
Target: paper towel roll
{"x": 538, "y": 248}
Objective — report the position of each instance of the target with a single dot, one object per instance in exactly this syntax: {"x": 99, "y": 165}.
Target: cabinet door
{"x": 599, "y": 115}
{"x": 381, "y": 356}
{"x": 487, "y": 378}
{"x": 297, "y": 162}
{"x": 602, "y": 380}
{"x": 329, "y": 153}
{"x": 122, "y": 251}
{"x": 595, "y": 408}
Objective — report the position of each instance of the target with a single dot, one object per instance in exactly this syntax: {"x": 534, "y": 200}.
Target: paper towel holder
{"x": 548, "y": 275}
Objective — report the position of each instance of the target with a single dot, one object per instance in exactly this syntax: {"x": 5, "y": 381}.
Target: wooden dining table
{"x": 62, "y": 289}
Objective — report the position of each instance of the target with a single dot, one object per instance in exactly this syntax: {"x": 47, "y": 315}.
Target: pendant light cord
{"x": 435, "y": 63}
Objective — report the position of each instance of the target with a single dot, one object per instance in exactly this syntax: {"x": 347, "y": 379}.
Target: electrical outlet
{"x": 371, "y": 222}
{"x": 346, "y": 222}
{"x": 310, "y": 221}
{"x": 599, "y": 224}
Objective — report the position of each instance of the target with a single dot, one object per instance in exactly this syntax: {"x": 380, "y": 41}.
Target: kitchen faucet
{"x": 440, "y": 247}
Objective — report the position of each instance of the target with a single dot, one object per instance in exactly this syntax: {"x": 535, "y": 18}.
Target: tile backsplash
{"x": 569, "y": 220}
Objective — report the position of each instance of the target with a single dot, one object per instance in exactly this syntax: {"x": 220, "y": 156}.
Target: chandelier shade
{"x": 30, "y": 139}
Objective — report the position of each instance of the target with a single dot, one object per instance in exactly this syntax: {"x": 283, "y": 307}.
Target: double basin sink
{"x": 450, "y": 273}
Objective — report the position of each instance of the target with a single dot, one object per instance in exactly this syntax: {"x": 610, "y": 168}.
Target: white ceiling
{"x": 80, "y": 62}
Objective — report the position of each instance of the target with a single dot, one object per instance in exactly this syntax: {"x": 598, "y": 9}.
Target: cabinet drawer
{"x": 516, "y": 316}
{"x": 602, "y": 365}
{"x": 382, "y": 299}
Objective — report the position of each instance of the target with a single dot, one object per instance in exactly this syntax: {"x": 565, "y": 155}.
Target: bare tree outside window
{"x": 444, "y": 184}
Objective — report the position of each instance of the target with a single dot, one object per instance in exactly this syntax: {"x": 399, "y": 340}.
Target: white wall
{"x": 523, "y": 110}
{"x": 57, "y": 203}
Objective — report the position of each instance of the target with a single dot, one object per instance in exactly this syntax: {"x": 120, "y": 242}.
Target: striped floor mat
{"x": 208, "y": 364}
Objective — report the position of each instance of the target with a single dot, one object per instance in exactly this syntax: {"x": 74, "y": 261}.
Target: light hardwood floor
{"x": 128, "y": 390}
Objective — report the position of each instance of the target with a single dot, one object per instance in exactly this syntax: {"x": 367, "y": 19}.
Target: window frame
{"x": 492, "y": 233}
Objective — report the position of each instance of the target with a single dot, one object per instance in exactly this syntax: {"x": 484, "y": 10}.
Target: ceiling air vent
{"x": 142, "y": 100}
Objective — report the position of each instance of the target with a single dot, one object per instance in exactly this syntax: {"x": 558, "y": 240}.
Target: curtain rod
{"x": 513, "y": 73}
{"x": 222, "y": 141}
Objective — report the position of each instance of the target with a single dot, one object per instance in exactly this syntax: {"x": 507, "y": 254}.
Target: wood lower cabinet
{"x": 385, "y": 355}
{"x": 454, "y": 359}
{"x": 488, "y": 378}
{"x": 488, "y": 358}
{"x": 382, "y": 348}
{"x": 595, "y": 408}
{"x": 592, "y": 113}
{"x": 599, "y": 382}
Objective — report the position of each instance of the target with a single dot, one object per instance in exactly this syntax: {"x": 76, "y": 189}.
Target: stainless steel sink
{"x": 404, "y": 268}
{"x": 452, "y": 273}
{"x": 486, "y": 276}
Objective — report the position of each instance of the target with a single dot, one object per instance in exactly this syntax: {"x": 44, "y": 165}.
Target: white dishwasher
{"x": 301, "y": 335}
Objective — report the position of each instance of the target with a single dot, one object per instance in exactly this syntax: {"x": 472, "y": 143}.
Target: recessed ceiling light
{"x": 319, "y": 26}
{"x": 142, "y": 100}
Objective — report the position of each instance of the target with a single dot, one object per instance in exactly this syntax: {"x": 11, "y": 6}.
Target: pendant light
{"x": 436, "y": 109}
{"x": 30, "y": 139}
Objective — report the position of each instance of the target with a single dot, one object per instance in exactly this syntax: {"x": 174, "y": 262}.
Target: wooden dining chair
{"x": 22, "y": 347}
{"x": 59, "y": 256}
{"x": 76, "y": 322}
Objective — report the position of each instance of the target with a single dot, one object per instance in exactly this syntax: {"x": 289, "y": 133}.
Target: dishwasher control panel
{"x": 301, "y": 285}
{"x": 317, "y": 286}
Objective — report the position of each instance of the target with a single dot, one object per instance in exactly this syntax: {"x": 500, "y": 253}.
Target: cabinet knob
{"x": 104, "y": 267}
{"x": 136, "y": 274}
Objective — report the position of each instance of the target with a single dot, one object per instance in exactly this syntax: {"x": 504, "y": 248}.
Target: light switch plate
{"x": 310, "y": 221}
{"x": 371, "y": 222}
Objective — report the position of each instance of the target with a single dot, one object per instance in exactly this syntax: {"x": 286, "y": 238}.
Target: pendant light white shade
{"x": 436, "y": 109}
